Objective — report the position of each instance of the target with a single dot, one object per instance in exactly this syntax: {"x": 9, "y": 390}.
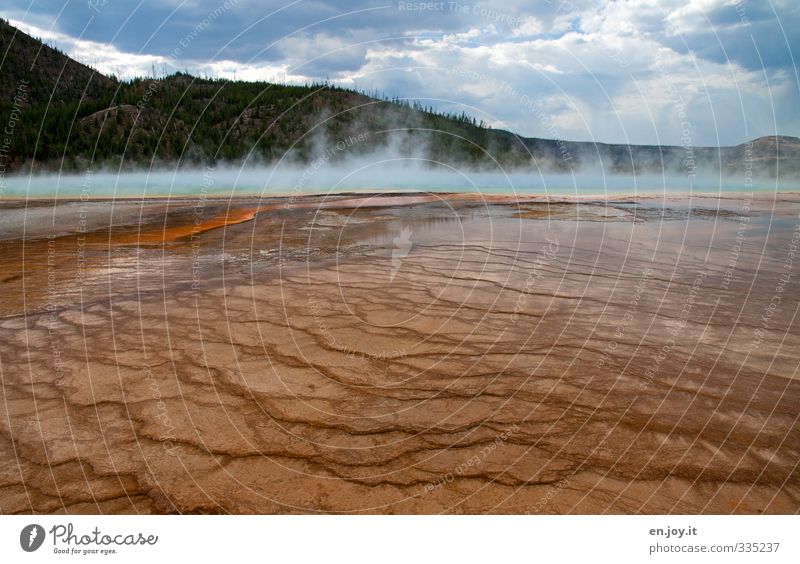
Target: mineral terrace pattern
{"x": 421, "y": 354}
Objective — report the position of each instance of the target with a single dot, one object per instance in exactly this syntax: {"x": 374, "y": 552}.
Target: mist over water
{"x": 401, "y": 175}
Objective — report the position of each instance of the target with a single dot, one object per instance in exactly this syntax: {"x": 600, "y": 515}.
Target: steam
{"x": 399, "y": 175}
{"x": 372, "y": 162}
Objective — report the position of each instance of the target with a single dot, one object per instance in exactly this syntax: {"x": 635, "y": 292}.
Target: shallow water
{"x": 409, "y": 176}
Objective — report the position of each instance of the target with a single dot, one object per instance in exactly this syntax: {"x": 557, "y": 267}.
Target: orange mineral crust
{"x": 432, "y": 353}
{"x": 156, "y": 236}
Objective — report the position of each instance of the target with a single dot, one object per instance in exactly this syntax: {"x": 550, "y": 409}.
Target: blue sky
{"x": 694, "y": 72}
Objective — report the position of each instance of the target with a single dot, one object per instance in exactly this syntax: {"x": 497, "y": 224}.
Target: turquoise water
{"x": 230, "y": 181}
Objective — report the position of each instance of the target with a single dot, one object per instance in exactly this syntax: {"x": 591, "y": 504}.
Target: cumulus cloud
{"x": 322, "y": 54}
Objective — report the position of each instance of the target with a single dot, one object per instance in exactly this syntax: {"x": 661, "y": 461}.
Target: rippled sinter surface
{"x": 423, "y": 354}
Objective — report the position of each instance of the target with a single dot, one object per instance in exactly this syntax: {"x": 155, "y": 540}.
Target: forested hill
{"x": 63, "y": 114}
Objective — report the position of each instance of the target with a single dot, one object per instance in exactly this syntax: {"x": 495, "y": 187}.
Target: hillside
{"x": 73, "y": 117}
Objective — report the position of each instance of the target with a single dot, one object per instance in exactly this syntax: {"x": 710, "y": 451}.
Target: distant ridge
{"x": 72, "y": 118}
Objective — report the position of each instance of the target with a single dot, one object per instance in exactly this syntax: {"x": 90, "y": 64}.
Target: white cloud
{"x": 608, "y": 85}
{"x": 102, "y": 56}
{"x": 109, "y": 60}
{"x": 692, "y": 15}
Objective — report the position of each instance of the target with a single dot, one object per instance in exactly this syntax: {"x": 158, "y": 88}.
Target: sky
{"x": 678, "y": 72}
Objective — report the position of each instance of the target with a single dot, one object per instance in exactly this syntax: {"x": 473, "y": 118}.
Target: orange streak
{"x": 232, "y": 217}
{"x": 169, "y": 234}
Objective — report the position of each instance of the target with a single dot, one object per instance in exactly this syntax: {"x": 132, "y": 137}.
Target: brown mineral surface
{"x": 400, "y": 354}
